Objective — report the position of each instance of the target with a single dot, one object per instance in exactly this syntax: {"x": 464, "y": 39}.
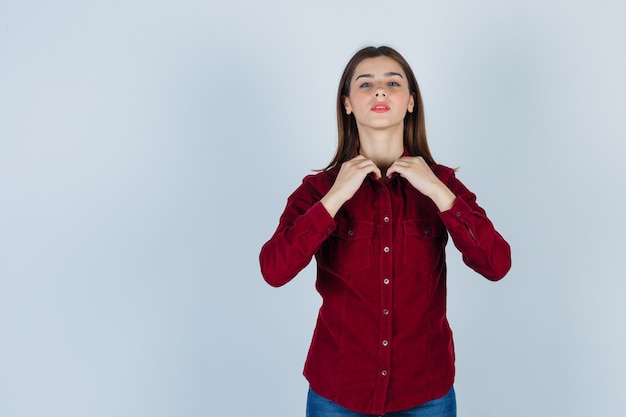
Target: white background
{"x": 147, "y": 149}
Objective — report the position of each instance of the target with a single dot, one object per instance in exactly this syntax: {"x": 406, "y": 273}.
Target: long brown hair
{"x": 348, "y": 134}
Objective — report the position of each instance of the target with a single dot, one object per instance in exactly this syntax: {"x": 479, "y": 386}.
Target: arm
{"x": 303, "y": 227}
{"x": 483, "y": 248}
{"x": 308, "y": 220}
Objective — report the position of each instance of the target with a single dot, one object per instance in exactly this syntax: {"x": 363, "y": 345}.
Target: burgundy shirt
{"x": 382, "y": 342}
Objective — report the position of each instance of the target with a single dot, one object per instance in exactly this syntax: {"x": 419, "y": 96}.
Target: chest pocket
{"x": 349, "y": 248}
{"x": 424, "y": 244}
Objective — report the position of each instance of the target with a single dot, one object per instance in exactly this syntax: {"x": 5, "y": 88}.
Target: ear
{"x": 411, "y": 105}
{"x": 347, "y": 105}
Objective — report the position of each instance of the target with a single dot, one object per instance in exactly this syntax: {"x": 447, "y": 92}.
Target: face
{"x": 379, "y": 94}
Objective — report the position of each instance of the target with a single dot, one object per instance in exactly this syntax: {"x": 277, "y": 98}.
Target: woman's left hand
{"x": 417, "y": 172}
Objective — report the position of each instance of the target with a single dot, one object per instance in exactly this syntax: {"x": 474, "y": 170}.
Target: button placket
{"x": 385, "y": 225}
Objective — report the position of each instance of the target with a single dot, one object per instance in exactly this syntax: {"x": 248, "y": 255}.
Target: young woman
{"x": 377, "y": 220}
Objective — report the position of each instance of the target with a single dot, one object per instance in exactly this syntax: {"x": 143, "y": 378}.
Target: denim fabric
{"x": 445, "y": 406}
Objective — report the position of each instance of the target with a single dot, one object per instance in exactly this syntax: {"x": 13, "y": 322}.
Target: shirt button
{"x": 385, "y": 343}
{"x": 384, "y": 372}
{"x": 386, "y": 219}
{"x": 426, "y": 232}
{"x": 386, "y": 249}
{"x": 350, "y": 232}
{"x": 458, "y": 214}
{"x": 386, "y": 281}
{"x": 385, "y": 312}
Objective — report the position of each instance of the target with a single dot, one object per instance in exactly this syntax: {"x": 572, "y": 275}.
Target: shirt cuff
{"x": 456, "y": 213}
{"x": 321, "y": 219}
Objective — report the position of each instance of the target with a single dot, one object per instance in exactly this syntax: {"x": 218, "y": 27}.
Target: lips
{"x": 380, "y": 107}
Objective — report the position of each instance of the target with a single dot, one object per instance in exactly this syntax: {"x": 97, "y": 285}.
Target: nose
{"x": 380, "y": 92}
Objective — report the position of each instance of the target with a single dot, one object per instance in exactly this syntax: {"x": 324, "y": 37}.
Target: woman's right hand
{"x": 348, "y": 181}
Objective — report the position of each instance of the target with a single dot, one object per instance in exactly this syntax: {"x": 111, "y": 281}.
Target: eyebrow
{"x": 387, "y": 74}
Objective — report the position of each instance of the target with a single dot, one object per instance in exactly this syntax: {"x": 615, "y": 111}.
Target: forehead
{"x": 377, "y": 67}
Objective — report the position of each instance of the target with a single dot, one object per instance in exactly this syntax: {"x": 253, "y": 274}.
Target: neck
{"x": 382, "y": 147}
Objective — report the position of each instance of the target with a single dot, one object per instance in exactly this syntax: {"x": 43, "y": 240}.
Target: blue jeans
{"x": 317, "y": 406}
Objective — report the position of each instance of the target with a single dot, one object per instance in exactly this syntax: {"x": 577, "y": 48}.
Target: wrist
{"x": 332, "y": 202}
{"x": 443, "y": 198}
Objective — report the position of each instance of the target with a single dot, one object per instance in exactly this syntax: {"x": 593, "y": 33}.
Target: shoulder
{"x": 321, "y": 181}
{"x": 448, "y": 176}
{"x": 314, "y": 186}
{"x": 442, "y": 172}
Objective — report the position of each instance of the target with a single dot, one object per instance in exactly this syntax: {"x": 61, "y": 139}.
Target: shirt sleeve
{"x": 303, "y": 227}
{"x": 482, "y": 247}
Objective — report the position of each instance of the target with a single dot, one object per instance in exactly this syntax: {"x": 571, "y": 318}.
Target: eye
{"x": 394, "y": 84}
{"x": 365, "y": 85}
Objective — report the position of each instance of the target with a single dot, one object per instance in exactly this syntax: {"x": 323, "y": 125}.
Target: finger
{"x": 359, "y": 161}
{"x": 369, "y": 166}
{"x": 353, "y": 161}
{"x": 359, "y": 157}
{"x": 377, "y": 172}
{"x": 396, "y": 168}
{"x": 365, "y": 163}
